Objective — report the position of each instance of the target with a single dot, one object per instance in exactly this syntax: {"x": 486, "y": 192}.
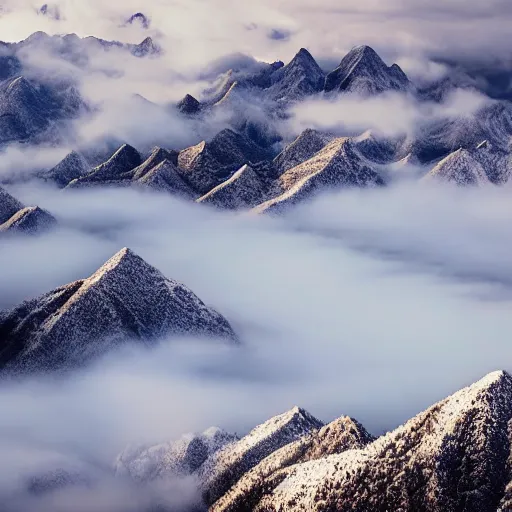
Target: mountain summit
{"x": 301, "y": 77}
{"x": 452, "y": 457}
{"x": 364, "y": 72}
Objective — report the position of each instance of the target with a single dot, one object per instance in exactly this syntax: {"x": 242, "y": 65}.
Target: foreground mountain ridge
{"x": 453, "y": 457}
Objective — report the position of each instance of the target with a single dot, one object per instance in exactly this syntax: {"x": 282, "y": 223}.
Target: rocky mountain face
{"x": 207, "y": 164}
{"x": 31, "y": 220}
{"x": 122, "y": 161}
{"x": 243, "y": 190}
{"x": 189, "y": 105}
{"x": 215, "y": 458}
{"x": 126, "y": 299}
{"x": 362, "y": 71}
{"x": 10, "y": 66}
{"x": 72, "y": 167}
{"x": 16, "y": 218}
{"x": 307, "y": 144}
{"x": 140, "y": 19}
{"x": 341, "y": 435}
{"x": 29, "y": 111}
{"x": 337, "y": 165}
{"x": 183, "y": 457}
{"x": 300, "y": 78}
{"x": 36, "y": 107}
{"x": 452, "y": 457}
{"x": 227, "y": 466}
{"x": 77, "y": 50}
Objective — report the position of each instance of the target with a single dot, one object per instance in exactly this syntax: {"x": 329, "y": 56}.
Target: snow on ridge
{"x": 424, "y": 441}
{"x": 221, "y": 471}
{"x": 461, "y": 168}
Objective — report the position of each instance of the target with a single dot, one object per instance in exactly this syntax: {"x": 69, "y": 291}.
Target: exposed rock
{"x": 158, "y": 155}
{"x": 301, "y": 77}
{"x": 207, "y": 164}
{"x": 27, "y": 111}
{"x": 198, "y": 167}
{"x": 189, "y": 106}
{"x": 147, "y": 48}
{"x": 221, "y": 471}
{"x": 436, "y": 139}
{"x": 139, "y": 18}
{"x": 243, "y": 190}
{"x": 301, "y": 149}
{"x": 496, "y": 162}
{"x": 233, "y": 150}
{"x": 165, "y": 177}
{"x": 10, "y": 66}
{"x": 378, "y": 149}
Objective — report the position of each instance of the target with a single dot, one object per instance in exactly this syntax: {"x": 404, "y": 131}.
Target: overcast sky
{"x": 199, "y": 30}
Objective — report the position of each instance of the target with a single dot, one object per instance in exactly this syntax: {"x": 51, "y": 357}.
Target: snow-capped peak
{"x": 362, "y": 71}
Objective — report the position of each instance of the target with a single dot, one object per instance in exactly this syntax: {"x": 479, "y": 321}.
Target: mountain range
{"x": 455, "y": 457}
{"x": 249, "y": 165}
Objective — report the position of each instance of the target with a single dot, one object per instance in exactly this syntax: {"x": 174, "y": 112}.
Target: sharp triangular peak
{"x": 125, "y": 256}
{"x": 363, "y": 70}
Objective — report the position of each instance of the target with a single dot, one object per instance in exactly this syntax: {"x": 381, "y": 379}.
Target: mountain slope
{"x": 337, "y": 437}
{"x": 125, "y": 159}
{"x": 243, "y": 190}
{"x": 207, "y": 164}
{"x": 301, "y": 77}
{"x": 301, "y": 149}
{"x": 188, "y": 105}
{"x": 496, "y": 162}
{"x": 9, "y": 205}
{"x": 337, "y": 165}
{"x": 459, "y": 168}
{"x": 30, "y": 220}
{"x": 221, "y": 471}
{"x": 165, "y": 177}
{"x": 29, "y": 110}
{"x": 176, "y": 458}
{"x": 158, "y": 155}
{"x": 452, "y": 457}
{"x": 73, "y": 166}
{"x": 125, "y": 299}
